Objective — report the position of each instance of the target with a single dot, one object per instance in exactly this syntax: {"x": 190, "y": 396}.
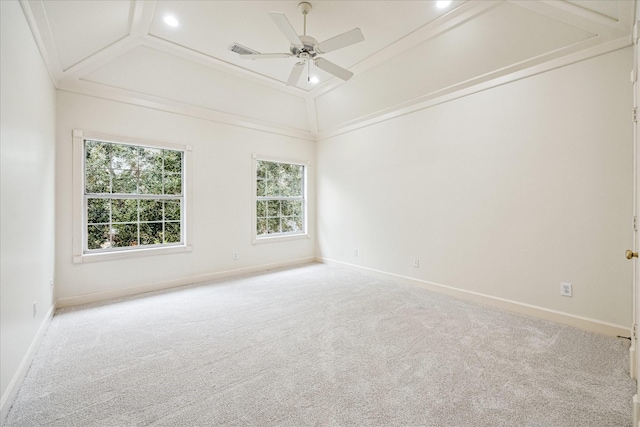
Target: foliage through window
{"x": 133, "y": 196}
{"x": 280, "y": 200}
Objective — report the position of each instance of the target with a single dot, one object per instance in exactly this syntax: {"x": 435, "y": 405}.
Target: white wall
{"x": 27, "y": 139}
{"x": 222, "y": 200}
{"x": 507, "y": 192}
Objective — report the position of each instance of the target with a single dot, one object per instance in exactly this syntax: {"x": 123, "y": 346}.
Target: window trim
{"x": 79, "y": 211}
{"x": 254, "y": 198}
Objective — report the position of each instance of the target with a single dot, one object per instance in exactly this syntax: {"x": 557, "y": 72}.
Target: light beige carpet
{"x": 322, "y": 346}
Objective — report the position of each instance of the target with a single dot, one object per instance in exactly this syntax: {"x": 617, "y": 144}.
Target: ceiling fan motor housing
{"x": 309, "y": 47}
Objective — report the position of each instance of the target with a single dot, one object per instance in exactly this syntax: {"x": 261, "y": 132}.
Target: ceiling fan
{"x": 305, "y": 48}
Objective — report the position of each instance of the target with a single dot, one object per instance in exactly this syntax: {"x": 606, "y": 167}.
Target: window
{"x": 280, "y": 205}
{"x": 133, "y": 196}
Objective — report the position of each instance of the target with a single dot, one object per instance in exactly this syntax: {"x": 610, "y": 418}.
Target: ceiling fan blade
{"x": 343, "y": 40}
{"x": 332, "y": 68}
{"x": 265, "y": 55}
{"x": 285, "y": 26}
{"x": 296, "y": 72}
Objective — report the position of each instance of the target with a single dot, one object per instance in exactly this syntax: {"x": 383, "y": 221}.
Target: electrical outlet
{"x": 355, "y": 252}
{"x": 565, "y": 289}
{"x": 51, "y": 285}
{"x": 416, "y": 263}
{"x": 35, "y": 308}
{"x": 235, "y": 256}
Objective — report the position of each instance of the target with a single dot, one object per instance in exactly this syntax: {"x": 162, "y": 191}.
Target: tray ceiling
{"x": 413, "y": 52}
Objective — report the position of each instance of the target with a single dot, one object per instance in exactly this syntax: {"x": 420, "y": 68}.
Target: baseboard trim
{"x": 14, "y": 386}
{"x": 585, "y": 323}
{"x": 190, "y": 280}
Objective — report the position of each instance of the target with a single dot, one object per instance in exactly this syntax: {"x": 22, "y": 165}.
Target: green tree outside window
{"x": 279, "y": 198}
{"x": 133, "y": 196}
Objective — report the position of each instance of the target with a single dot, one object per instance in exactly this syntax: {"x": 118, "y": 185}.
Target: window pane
{"x": 296, "y": 207}
{"x": 151, "y": 233}
{"x": 261, "y": 208}
{"x": 150, "y": 159}
{"x": 299, "y": 224}
{"x": 125, "y": 235}
{"x": 98, "y": 211}
{"x": 287, "y": 224}
{"x": 271, "y": 188}
{"x": 172, "y": 210}
{"x": 97, "y": 180}
{"x": 150, "y": 210}
{"x": 270, "y": 170}
{"x": 273, "y": 225}
{"x": 285, "y": 170}
{"x": 261, "y": 187}
{"x": 150, "y": 182}
{"x": 273, "y": 208}
{"x": 297, "y": 186}
{"x": 171, "y": 232}
{"x": 280, "y": 187}
{"x": 125, "y": 181}
{"x": 172, "y": 161}
{"x": 286, "y": 207}
{"x": 172, "y": 183}
{"x": 261, "y": 226}
{"x": 98, "y": 237}
{"x": 261, "y": 172}
{"x": 97, "y": 154}
{"x": 124, "y": 156}
{"x": 124, "y": 210}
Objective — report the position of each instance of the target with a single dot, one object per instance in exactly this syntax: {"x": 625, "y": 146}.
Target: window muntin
{"x": 280, "y": 198}
{"x": 133, "y": 196}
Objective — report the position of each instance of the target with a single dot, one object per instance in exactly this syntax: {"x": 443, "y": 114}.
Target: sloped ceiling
{"x": 415, "y": 54}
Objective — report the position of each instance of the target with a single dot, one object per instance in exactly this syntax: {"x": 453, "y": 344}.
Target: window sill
{"x": 133, "y": 253}
{"x": 283, "y": 238}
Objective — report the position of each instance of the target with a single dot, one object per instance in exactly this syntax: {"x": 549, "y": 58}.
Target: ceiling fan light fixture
{"x": 441, "y": 4}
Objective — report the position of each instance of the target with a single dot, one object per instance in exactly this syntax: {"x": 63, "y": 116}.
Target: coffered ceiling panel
{"x": 81, "y": 28}
{"x": 606, "y": 8}
{"x": 150, "y": 72}
{"x": 485, "y": 44}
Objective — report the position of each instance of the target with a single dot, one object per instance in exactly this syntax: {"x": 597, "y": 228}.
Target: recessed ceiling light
{"x": 171, "y": 21}
{"x": 441, "y": 4}
{"x": 314, "y": 80}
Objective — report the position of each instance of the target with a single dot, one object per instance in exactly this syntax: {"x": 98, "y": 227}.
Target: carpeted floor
{"x": 322, "y": 346}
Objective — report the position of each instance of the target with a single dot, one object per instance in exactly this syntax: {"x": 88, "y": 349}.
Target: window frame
{"x": 81, "y": 253}
{"x": 279, "y": 237}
